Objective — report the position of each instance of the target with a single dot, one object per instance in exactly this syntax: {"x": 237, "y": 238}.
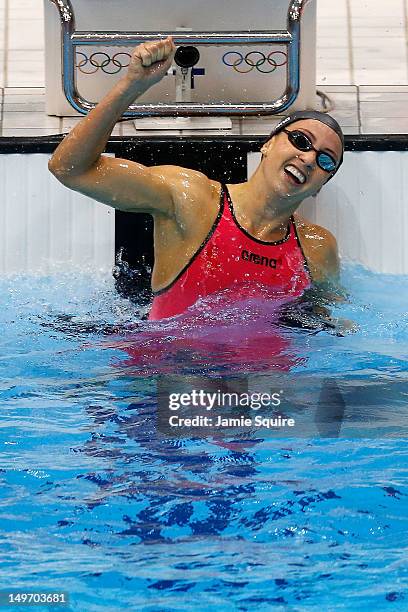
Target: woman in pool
{"x": 241, "y": 240}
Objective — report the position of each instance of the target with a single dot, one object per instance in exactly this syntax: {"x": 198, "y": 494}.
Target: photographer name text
{"x": 200, "y": 421}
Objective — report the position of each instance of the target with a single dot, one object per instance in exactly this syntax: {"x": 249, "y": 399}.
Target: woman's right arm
{"x": 79, "y": 164}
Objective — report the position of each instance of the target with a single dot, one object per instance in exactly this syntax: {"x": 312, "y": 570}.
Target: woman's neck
{"x": 263, "y": 214}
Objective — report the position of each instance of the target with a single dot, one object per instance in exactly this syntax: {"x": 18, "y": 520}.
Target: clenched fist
{"x": 150, "y": 61}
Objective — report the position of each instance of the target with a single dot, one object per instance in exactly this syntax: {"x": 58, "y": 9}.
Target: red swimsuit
{"x": 232, "y": 259}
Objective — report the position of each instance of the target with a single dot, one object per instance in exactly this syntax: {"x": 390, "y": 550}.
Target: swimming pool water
{"x": 97, "y": 503}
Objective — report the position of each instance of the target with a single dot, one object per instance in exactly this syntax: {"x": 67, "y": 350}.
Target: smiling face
{"x": 295, "y": 173}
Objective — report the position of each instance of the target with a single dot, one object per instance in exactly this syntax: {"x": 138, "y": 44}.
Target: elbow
{"x": 51, "y": 165}
{"x": 58, "y": 171}
{"x": 54, "y": 167}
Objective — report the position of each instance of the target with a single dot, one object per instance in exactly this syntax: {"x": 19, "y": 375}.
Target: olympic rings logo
{"x": 255, "y": 60}
{"x": 233, "y": 59}
{"x": 101, "y": 61}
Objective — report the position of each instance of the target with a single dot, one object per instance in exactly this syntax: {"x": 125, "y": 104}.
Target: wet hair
{"x": 316, "y": 116}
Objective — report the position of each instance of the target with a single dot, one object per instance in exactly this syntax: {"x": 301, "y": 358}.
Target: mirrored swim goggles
{"x": 303, "y": 143}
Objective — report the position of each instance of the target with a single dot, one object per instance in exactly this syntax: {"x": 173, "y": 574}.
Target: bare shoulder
{"x": 184, "y": 181}
{"x": 315, "y": 234}
{"x": 192, "y": 192}
{"x": 320, "y": 249}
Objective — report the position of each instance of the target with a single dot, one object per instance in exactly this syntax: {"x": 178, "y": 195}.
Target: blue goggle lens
{"x": 326, "y": 162}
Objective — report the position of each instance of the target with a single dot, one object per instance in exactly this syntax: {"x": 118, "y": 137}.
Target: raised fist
{"x": 150, "y": 61}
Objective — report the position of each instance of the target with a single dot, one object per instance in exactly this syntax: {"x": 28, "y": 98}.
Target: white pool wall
{"x": 44, "y": 225}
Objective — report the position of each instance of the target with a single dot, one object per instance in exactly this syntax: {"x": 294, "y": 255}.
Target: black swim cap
{"x": 317, "y": 116}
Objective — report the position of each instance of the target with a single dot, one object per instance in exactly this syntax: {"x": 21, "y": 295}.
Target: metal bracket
{"x": 289, "y": 37}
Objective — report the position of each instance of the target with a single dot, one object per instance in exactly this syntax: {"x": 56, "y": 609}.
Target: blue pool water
{"x": 97, "y": 503}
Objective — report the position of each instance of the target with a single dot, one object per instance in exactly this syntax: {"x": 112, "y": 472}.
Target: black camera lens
{"x": 187, "y": 57}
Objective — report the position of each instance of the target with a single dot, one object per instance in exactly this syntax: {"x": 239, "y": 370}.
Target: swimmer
{"x": 240, "y": 239}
